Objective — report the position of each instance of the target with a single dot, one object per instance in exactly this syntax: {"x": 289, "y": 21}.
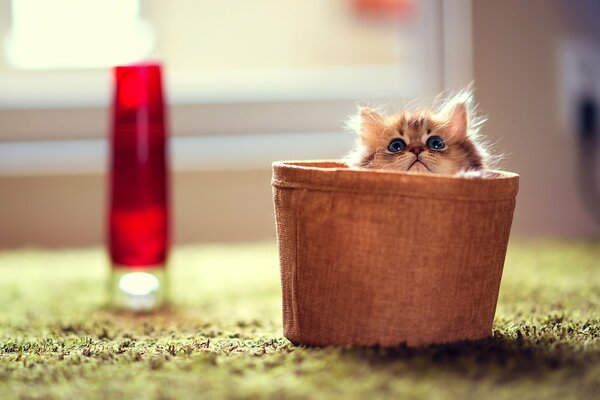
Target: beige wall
{"x": 70, "y": 210}
{"x": 207, "y": 34}
{"x": 516, "y": 53}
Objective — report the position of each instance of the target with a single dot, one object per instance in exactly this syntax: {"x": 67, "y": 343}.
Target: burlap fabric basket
{"x": 389, "y": 258}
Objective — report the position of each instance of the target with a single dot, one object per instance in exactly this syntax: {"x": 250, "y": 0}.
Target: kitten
{"x": 440, "y": 141}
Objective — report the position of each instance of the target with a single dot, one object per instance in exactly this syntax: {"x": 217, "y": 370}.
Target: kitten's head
{"x": 441, "y": 141}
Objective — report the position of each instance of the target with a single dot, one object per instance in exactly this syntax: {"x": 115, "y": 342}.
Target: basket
{"x": 373, "y": 257}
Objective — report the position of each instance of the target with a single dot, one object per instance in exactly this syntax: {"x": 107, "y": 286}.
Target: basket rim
{"x": 335, "y": 176}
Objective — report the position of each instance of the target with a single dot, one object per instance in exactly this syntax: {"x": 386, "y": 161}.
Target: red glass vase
{"x": 138, "y": 220}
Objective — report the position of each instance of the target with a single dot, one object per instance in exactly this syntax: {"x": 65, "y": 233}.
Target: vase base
{"x": 138, "y": 289}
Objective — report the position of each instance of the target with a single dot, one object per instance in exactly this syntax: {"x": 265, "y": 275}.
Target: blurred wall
{"x": 207, "y": 34}
{"x": 517, "y": 48}
{"x": 70, "y": 210}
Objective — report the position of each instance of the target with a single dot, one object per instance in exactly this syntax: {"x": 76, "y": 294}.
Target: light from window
{"x": 77, "y": 34}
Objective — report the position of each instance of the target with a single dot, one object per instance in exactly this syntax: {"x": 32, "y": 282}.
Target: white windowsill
{"x": 217, "y": 153}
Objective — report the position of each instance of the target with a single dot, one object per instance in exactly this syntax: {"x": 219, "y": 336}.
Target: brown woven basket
{"x": 384, "y": 257}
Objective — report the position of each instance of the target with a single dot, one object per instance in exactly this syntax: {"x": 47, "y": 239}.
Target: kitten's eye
{"x": 435, "y": 143}
{"x": 396, "y": 145}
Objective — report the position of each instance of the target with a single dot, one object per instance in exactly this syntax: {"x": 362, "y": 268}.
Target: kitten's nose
{"x": 417, "y": 150}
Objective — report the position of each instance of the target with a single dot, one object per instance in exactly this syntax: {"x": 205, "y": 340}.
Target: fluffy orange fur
{"x": 453, "y": 127}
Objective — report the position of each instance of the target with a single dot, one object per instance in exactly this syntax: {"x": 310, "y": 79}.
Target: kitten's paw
{"x": 471, "y": 174}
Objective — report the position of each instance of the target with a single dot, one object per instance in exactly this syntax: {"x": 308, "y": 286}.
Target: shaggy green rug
{"x": 223, "y": 338}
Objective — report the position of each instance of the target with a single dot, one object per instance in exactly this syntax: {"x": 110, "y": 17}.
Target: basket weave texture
{"x": 372, "y": 257}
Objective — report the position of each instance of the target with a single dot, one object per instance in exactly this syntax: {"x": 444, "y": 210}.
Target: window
{"x": 61, "y": 34}
{"x": 279, "y": 66}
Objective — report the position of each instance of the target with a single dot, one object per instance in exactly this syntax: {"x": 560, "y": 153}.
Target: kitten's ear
{"x": 456, "y": 114}
{"x": 369, "y": 125}
{"x": 457, "y": 120}
{"x": 369, "y": 114}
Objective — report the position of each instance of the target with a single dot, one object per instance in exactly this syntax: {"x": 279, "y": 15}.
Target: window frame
{"x": 319, "y": 104}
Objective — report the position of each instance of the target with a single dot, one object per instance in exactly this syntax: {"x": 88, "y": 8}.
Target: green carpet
{"x": 223, "y": 337}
